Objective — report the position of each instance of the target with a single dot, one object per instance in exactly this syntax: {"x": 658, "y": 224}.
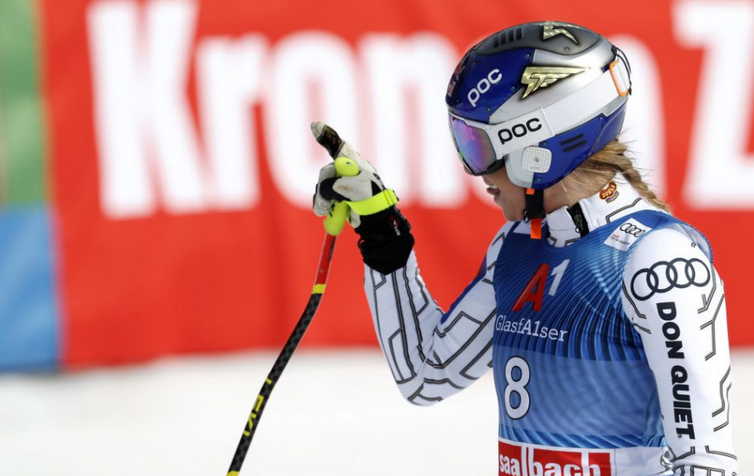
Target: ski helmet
{"x": 537, "y": 98}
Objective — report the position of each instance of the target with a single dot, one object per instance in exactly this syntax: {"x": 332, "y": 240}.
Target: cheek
{"x": 513, "y": 204}
{"x": 500, "y": 178}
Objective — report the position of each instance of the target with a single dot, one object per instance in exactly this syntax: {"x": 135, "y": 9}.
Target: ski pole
{"x": 334, "y": 223}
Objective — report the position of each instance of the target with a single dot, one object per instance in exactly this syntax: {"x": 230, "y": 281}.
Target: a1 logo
{"x": 535, "y": 288}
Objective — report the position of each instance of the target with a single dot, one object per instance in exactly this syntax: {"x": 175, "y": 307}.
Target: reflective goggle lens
{"x": 473, "y": 145}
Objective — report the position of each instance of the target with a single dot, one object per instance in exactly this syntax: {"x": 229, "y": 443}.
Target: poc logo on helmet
{"x": 520, "y": 130}
{"x": 484, "y": 85}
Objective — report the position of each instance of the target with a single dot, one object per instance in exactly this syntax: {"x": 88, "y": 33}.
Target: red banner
{"x": 183, "y": 167}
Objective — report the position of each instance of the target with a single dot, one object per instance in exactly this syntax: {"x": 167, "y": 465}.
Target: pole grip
{"x": 336, "y": 219}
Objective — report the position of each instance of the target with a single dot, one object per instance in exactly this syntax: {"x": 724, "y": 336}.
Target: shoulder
{"x": 661, "y": 242}
{"x": 652, "y": 235}
{"x": 672, "y": 240}
{"x": 675, "y": 257}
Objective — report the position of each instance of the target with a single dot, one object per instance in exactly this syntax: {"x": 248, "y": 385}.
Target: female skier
{"x": 600, "y": 313}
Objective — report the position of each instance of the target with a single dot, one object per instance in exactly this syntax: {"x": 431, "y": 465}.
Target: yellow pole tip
{"x": 346, "y": 167}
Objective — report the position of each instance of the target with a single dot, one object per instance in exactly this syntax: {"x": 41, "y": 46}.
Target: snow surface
{"x": 332, "y": 413}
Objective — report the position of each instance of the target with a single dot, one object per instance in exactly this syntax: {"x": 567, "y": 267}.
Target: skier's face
{"x": 507, "y": 195}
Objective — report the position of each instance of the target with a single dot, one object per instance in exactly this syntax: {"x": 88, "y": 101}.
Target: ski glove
{"x": 365, "y": 193}
{"x": 385, "y": 234}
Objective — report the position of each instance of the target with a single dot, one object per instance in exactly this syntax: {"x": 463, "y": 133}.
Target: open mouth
{"x": 492, "y": 189}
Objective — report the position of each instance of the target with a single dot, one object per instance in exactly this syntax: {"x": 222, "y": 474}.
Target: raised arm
{"x": 433, "y": 354}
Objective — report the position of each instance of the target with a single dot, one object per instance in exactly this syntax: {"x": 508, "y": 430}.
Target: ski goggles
{"x": 475, "y": 149}
{"x": 482, "y": 147}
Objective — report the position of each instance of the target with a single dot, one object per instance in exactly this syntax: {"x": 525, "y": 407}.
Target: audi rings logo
{"x": 663, "y": 276}
{"x": 631, "y": 229}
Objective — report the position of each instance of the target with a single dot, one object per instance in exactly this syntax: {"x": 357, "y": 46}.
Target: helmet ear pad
{"x": 569, "y": 149}
{"x": 514, "y": 167}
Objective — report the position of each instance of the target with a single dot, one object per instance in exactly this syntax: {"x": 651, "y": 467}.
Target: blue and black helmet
{"x": 538, "y": 98}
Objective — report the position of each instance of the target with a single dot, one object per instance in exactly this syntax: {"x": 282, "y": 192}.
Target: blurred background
{"x": 157, "y": 244}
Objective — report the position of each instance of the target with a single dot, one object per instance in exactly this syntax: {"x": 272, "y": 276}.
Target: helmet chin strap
{"x": 534, "y": 211}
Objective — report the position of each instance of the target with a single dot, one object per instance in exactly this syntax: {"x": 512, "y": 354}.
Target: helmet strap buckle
{"x": 577, "y": 215}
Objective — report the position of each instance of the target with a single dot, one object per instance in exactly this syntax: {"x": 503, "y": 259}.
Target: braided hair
{"x": 611, "y": 159}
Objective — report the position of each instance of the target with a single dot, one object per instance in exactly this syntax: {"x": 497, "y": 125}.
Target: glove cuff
{"x": 385, "y": 240}
{"x": 374, "y": 204}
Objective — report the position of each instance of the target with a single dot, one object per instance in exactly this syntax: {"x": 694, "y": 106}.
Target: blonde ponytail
{"x": 610, "y": 160}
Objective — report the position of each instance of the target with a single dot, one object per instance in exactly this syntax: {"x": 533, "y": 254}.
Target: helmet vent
{"x": 573, "y": 142}
{"x": 504, "y": 37}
